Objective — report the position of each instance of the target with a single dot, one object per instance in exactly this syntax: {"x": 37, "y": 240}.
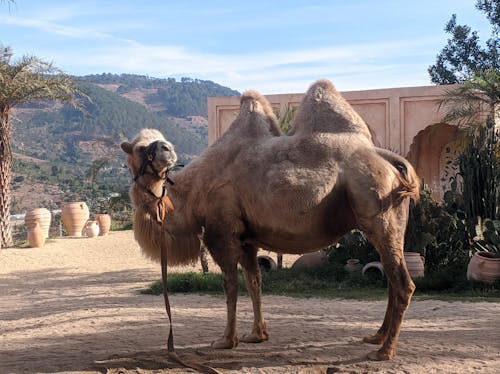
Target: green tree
{"x": 25, "y": 80}
{"x": 464, "y": 55}
{"x": 474, "y": 106}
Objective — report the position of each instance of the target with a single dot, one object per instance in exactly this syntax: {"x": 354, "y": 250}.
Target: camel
{"x": 255, "y": 187}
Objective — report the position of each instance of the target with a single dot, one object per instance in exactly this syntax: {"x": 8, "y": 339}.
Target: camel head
{"x": 150, "y": 157}
{"x": 150, "y": 154}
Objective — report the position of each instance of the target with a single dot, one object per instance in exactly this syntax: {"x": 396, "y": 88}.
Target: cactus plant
{"x": 491, "y": 237}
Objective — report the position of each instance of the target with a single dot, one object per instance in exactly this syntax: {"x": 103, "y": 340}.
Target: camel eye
{"x": 165, "y": 147}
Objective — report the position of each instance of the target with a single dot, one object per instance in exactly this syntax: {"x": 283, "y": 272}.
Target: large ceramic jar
{"x": 311, "y": 260}
{"x": 353, "y": 264}
{"x": 266, "y": 263}
{"x": 104, "y": 222}
{"x": 484, "y": 267}
{"x": 36, "y": 236}
{"x": 74, "y": 216}
{"x": 40, "y": 215}
{"x": 414, "y": 264}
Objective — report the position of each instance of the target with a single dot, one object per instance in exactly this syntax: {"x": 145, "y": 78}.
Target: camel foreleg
{"x": 225, "y": 252}
{"x": 230, "y": 284}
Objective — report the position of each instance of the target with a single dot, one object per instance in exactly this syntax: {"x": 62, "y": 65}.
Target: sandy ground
{"x": 74, "y": 306}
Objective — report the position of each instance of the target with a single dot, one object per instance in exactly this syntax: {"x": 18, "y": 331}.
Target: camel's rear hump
{"x": 323, "y": 109}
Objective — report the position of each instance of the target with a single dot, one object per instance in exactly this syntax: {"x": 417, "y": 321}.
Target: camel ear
{"x": 127, "y": 147}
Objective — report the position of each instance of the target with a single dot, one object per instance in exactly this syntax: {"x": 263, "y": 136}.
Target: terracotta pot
{"x": 374, "y": 265}
{"x": 484, "y": 267}
{"x": 40, "y": 215}
{"x": 353, "y": 265}
{"x": 414, "y": 264}
{"x": 266, "y": 263}
{"x": 36, "y": 236}
{"x": 74, "y": 216}
{"x": 104, "y": 222}
{"x": 311, "y": 260}
{"x": 91, "y": 229}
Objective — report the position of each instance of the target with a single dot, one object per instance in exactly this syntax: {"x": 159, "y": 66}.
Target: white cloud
{"x": 261, "y": 71}
{"x": 46, "y": 26}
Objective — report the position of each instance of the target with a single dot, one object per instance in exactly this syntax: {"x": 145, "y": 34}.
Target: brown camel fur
{"x": 294, "y": 194}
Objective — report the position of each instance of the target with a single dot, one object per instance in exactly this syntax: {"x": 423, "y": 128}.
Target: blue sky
{"x": 271, "y": 46}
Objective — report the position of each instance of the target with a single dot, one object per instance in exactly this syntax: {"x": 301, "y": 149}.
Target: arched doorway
{"x": 432, "y": 153}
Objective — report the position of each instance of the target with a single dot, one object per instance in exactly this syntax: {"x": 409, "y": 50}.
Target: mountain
{"x": 62, "y": 153}
{"x": 188, "y": 97}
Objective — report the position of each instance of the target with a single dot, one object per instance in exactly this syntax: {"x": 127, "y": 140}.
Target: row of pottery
{"x": 483, "y": 266}
{"x": 414, "y": 263}
{"x": 75, "y": 219}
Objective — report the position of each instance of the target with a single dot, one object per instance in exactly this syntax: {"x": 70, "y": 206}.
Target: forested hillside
{"x": 64, "y": 154}
{"x": 187, "y": 97}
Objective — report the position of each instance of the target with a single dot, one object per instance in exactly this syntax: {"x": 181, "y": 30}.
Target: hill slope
{"x": 75, "y": 144}
{"x": 166, "y": 96}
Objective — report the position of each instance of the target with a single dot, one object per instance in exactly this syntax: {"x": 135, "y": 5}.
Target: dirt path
{"x": 73, "y": 306}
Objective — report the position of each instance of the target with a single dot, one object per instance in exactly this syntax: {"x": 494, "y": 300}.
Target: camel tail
{"x": 410, "y": 182}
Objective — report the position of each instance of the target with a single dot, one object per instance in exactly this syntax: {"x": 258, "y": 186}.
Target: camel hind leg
{"x": 253, "y": 281}
{"x": 388, "y": 239}
{"x": 380, "y": 336}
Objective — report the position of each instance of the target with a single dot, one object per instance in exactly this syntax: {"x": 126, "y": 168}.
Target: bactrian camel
{"x": 296, "y": 193}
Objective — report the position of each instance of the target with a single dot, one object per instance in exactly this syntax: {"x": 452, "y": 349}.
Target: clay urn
{"x": 36, "y": 236}
{"x": 414, "y": 264}
{"x": 104, "y": 222}
{"x": 40, "y": 215}
{"x": 74, "y": 216}
{"x": 484, "y": 267}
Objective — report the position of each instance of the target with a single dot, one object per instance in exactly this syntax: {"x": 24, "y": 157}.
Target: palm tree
{"x": 25, "y": 80}
{"x": 475, "y": 102}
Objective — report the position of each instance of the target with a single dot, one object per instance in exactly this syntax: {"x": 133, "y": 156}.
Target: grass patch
{"x": 325, "y": 281}
{"x": 332, "y": 281}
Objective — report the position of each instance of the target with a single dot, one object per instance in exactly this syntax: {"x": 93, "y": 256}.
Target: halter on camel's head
{"x": 150, "y": 158}
{"x": 150, "y": 154}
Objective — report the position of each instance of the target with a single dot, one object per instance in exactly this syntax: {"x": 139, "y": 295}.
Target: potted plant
{"x": 484, "y": 266}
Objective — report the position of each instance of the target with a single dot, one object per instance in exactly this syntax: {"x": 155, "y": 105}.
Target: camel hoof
{"x": 225, "y": 343}
{"x": 254, "y": 338}
{"x": 374, "y": 339}
{"x": 379, "y": 356}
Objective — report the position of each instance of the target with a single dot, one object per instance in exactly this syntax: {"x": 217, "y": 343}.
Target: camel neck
{"x": 154, "y": 190}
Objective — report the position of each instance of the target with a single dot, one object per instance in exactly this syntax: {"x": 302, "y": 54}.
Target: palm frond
{"x": 474, "y": 101}
{"x": 32, "y": 79}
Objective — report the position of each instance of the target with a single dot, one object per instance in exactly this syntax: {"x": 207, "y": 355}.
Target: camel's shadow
{"x": 262, "y": 359}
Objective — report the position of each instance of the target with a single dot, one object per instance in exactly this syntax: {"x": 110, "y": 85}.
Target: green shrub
{"x": 438, "y": 232}
{"x": 353, "y": 245}
{"x": 450, "y": 279}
